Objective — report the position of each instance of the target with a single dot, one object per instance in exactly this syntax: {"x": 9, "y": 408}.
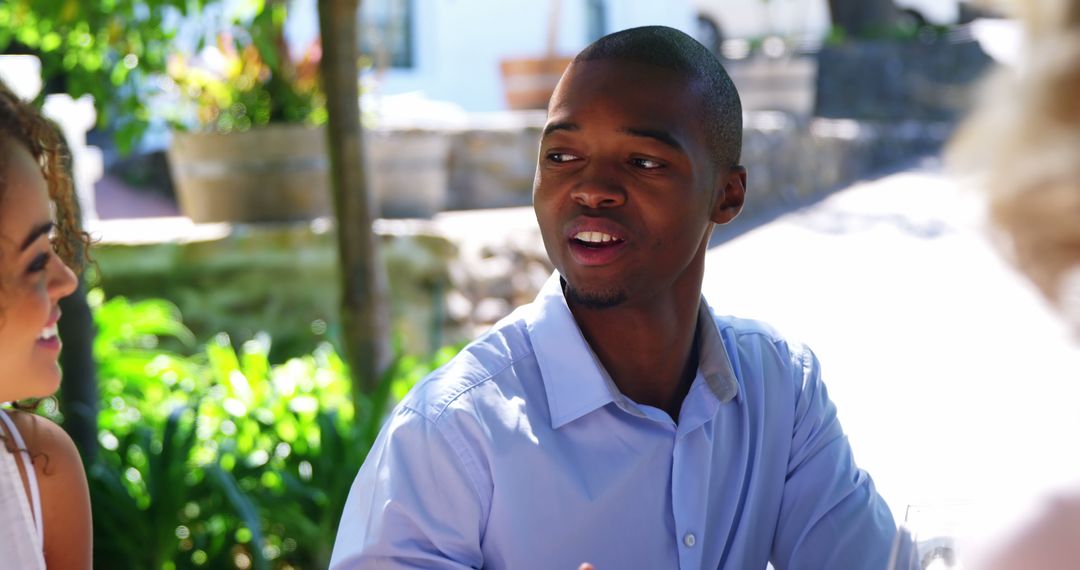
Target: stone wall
{"x": 490, "y": 162}
{"x": 459, "y": 271}
{"x": 788, "y": 156}
{"x": 928, "y": 80}
{"x": 446, "y": 279}
{"x": 792, "y": 161}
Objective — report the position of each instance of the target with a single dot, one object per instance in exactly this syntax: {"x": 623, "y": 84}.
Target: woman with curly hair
{"x": 1024, "y": 141}
{"x": 44, "y": 503}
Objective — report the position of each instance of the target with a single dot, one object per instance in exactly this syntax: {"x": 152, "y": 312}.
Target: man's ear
{"x": 730, "y": 196}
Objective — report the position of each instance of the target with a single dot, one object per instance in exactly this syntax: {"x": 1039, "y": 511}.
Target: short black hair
{"x": 671, "y": 49}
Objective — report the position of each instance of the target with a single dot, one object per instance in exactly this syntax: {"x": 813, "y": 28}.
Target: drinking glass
{"x": 927, "y": 539}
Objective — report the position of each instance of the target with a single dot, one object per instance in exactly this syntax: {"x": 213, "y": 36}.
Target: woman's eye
{"x": 561, "y": 157}
{"x": 39, "y": 263}
{"x": 645, "y": 163}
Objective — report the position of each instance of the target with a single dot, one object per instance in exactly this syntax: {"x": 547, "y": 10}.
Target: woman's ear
{"x": 731, "y": 193}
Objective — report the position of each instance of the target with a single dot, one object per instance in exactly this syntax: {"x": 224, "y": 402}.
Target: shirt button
{"x": 689, "y": 540}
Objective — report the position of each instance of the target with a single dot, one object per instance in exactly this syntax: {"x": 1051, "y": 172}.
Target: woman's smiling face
{"x": 33, "y": 279}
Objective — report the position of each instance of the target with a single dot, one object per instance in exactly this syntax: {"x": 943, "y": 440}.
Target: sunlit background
{"x": 218, "y": 410}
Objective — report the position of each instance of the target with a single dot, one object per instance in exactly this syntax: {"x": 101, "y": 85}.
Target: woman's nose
{"x": 63, "y": 281}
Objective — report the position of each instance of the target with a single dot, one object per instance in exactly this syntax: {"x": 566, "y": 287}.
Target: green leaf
{"x": 244, "y": 507}
{"x": 50, "y": 41}
{"x": 119, "y": 74}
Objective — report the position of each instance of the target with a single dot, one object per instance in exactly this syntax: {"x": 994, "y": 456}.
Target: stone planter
{"x": 268, "y": 174}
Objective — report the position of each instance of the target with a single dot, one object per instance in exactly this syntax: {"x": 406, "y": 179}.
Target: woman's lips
{"x": 49, "y": 343}
{"x": 49, "y": 338}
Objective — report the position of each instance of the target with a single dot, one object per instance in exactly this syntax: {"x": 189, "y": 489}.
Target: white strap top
{"x": 21, "y": 534}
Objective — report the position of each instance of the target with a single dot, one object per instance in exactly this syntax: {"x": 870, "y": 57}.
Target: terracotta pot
{"x": 529, "y": 82}
{"x": 268, "y": 174}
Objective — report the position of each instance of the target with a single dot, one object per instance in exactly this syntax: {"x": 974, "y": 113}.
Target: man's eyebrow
{"x": 562, "y": 126}
{"x": 35, "y": 233}
{"x": 656, "y": 134}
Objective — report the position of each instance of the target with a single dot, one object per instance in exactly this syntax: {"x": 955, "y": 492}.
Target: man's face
{"x": 625, "y": 188}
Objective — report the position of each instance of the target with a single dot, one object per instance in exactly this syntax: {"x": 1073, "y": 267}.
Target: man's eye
{"x": 645, "y": 163}
{"x": 561, "y": 157}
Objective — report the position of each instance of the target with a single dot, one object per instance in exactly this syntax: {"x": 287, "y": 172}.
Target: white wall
{"x": 458, "y": 43}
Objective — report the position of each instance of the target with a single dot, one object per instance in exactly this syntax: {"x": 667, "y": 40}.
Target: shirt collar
{"x": 575, "y": 382}
{"x": 572, "y": 380}
{"x": 713, "y": 363}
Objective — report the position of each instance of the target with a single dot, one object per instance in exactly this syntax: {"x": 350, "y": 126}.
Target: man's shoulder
{"x": 748, "y": 329}
{"x": 750, "y": 339}
{"x": 490, "y": 359}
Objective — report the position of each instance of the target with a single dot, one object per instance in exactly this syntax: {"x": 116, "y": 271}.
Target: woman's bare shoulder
{"x": 50, "y": 446}
{"x": 65, "y": 498}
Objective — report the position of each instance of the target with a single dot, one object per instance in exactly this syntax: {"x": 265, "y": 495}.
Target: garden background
{"x": 230, "y": 356}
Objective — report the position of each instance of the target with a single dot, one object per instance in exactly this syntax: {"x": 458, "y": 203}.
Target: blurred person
{"x": 44, "y": 502}
{"x": 617, "y": 419}
{"x": 1024, "y": 141}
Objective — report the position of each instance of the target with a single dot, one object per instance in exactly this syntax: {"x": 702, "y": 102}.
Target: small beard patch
{"x": 605, "y": 299}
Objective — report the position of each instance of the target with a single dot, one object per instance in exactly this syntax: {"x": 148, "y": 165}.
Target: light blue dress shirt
{"x": 521, "y": 453}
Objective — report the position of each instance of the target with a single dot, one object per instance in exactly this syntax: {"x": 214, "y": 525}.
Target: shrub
{"x": 213, "y": 457}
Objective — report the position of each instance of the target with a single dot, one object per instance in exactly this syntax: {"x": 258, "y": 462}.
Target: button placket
{"x": 690, "y": 476}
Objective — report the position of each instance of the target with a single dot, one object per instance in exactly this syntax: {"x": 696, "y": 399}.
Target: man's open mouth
{"x": 595, "y": 240}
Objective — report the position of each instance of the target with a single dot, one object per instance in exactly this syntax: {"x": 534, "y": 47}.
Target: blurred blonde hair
{"x": 1024, "y": 142}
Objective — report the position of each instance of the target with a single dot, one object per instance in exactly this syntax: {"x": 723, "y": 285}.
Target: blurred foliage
{"x": 212, "y": 457}
{"x": 120, "y": 52}
{"x": 904, "y": 31}
{"x": 106, "y": 48}
{"x": 249, "y": 77}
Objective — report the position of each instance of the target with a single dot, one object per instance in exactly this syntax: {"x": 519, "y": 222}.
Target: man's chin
{"x": 594, "y": 299}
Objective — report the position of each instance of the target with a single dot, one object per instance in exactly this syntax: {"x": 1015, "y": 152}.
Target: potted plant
{"x": 247, "y": 143}
{"x": 528, "y": 82}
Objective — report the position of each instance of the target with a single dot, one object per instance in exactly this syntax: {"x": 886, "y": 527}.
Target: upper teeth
{"x": 48, "y": 332}
{"x": 593, "y": 237}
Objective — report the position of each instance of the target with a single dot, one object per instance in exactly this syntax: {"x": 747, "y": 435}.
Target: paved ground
{"x": 953, "y": 379}
{"x": 116, "y": 200}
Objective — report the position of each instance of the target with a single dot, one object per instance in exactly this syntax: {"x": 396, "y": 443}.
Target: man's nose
{"x": 599, "y": 187}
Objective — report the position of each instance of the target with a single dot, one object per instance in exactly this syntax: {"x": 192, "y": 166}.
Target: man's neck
{"x": 650, "y": 351}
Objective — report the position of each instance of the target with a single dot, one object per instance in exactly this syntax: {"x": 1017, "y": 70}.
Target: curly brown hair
{"x": 22, "y": 123}
{"x": 1024, "y": 141}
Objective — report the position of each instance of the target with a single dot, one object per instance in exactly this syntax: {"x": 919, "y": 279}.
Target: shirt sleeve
{"x": 413, "y": 503}
{"x": 830, "y": 515}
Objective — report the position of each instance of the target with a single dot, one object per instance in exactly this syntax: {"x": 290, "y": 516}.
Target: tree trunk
{"x": 364, "y": 318}
{"x": 79, "y": 395}
{"x": 79, "y": 391}
{"x": 862, "y": 18}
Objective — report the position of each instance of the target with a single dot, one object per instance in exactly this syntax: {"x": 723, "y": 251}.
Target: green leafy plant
{"x": 252, "y": 79}
{"x": 213, "y": 457}
{"x": 110, "y": 49}
{"x": 119, "y": 51}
